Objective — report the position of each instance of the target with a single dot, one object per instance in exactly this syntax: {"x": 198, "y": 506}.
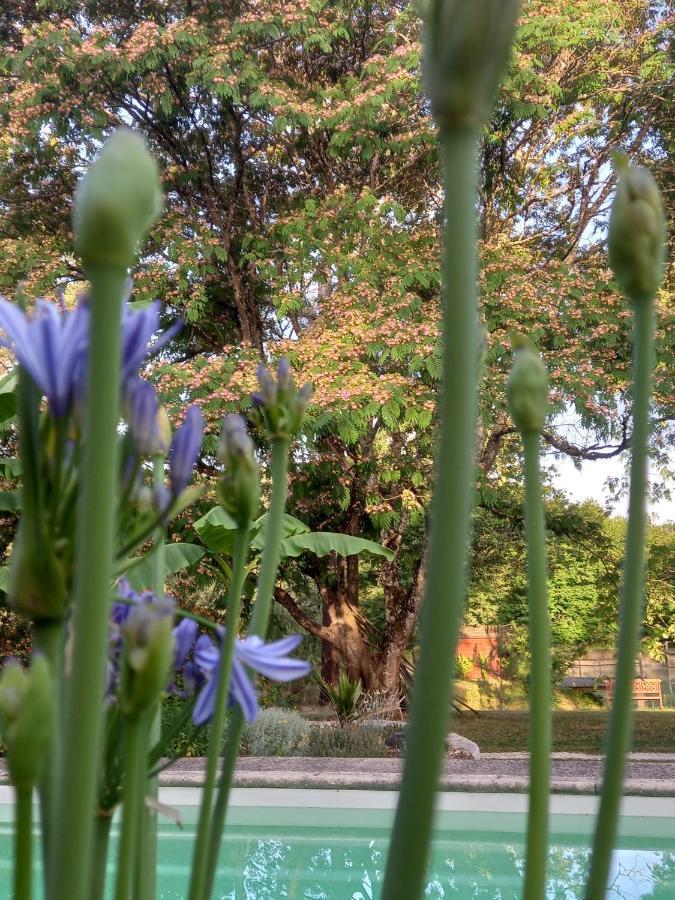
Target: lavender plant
{"x": 82, "y": 724}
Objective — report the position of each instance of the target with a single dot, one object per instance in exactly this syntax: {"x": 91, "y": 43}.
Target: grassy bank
{"x": 579, "y": 731}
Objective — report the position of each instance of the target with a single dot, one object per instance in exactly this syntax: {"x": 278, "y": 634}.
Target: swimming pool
{"x": 330, "y": 845}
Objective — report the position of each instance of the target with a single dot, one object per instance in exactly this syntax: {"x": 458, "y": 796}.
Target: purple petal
{"x": 271, "y": 660}
{"x": 138, "y": 327}
{"x": 143, "y": 408}
{"x": 206, "y": 654}
{"x": 185, "y": 448}
{"x": 203, "y": 710}
{"x": 242, "y": 691}
{"x": 184, "y": 635}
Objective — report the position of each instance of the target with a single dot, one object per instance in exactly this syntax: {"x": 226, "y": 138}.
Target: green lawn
{"x": 580, "y": 731}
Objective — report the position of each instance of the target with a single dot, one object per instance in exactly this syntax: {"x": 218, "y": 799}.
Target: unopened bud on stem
{"x": 25, "y": 718}
{"x": 149, "y": 649}
{"x": 116, "y": 202}
{"x": 279, "y": 407}
{"x": 239, "y": 487}
{"x": 467, "y": 48}
{"x": 637, "y": 233}
{"x": 527, "y": 387}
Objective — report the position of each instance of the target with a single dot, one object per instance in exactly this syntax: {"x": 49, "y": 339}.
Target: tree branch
{"x": 289, "y": 603}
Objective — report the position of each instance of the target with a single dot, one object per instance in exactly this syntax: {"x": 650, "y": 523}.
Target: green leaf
{"x": 8, "y": 396}
{"x": 176, "y": 558}
{"x": 10, "y": 467}
{"x": 216, "y": 530}
{"x": 10, "y": 501}
{"x": 323, "y": 542}
{"x": 289, "y": 526}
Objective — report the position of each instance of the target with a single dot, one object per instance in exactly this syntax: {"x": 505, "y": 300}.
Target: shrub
{"x": 189, "y": 740}
{"x": 277, "y": 732}
{"x": 344, "y": 698}
{"x": 353, "y": 741}
{"x": 380, "y": 705}
{"x": 463, "y": 666}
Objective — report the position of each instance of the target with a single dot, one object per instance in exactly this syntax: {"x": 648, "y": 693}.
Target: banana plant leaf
{"x": 176, "y": 558}
{"x": 323, "y": 542}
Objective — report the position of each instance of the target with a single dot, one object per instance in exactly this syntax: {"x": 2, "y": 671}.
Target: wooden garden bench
{"x": 644, "y": 690}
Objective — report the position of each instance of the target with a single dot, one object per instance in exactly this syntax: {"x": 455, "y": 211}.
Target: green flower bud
{"x": 116, "y": 202}
{"x": 37, "y": 587}
{"x": 149, "y": 644}
{"x": 467, "y": 48}
{"x": 637, "y": 233}
{"x": 25, "y": 718}
{"x": 279, "y": 407}
{"x": 239, "y": 487}
{"x": 527, "y": 387}
{"x": 163, "y": 431}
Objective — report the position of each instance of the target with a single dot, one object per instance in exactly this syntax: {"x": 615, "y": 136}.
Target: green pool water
{"x": 325, "y": 853}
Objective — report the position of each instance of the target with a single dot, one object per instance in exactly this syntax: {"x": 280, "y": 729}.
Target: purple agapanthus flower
{"x": 184, "y": 452}
{"x": 184, "y": 635}
{"x": 51, "y": 346}
{"x": 138, "y": 328}
{"x": 52, "y": 343}
{"x": 142, "y": 410}
{"x": 270, "y": 659}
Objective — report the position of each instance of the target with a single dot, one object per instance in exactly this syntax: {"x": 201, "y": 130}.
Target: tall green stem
{"x": 632, "y": 602}
{"x": 23, "y": 842}
{"x": 71, "y": 865}
{"x": 133, "y": 795}
{"x": 200, "y": 856}
{"x": 259, "y": 621}
{"x": 146, "y": 876}
{"x": 450, "y": 526}
{"x": 99, "y": 869}
{"x": 47, "y": 638}
{"x": 540, "y": 675}
{"x": 273, "y": 529}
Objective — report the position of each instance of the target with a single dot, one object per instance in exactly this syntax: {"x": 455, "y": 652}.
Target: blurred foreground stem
{"x": 540, "y": 675}
{"x": 136, "y": 732}
{"x": 632, "y": 602}
{"x": 450, "y": 514}
{"x": 200, "y": 856}
{"x": 48, "y": 639}
{"x": 259, "y": 621}
{"x": 23, "y": 844}
{"x": 146, "y": 875}
{"x": 80, "y": 758}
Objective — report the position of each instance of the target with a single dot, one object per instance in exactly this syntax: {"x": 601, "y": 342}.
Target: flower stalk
{"x": 146, "y": 883}
{"x": 259, "y": 622}
{"x": 23, "y": 844}
{"x": 466, "y": 49}
{"x": 204, "y": 827}
{"x": 85, "y": 685}
{"x": 527, "y": 394}
{"x": 137, "y": 730}
{"x": 637, "y": 235}
{"x": 115, "y": 204}
{"x": 631, "y": 609}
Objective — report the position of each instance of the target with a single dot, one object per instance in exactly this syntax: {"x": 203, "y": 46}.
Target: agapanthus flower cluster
{"x": 278, "y": 405}
{"x": 196, "y": 658}
{"x": 52, "y": 345}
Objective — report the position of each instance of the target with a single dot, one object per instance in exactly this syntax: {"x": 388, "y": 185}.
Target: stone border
{"x": 384, "y": 775}
{"x": 503, "y": 773}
